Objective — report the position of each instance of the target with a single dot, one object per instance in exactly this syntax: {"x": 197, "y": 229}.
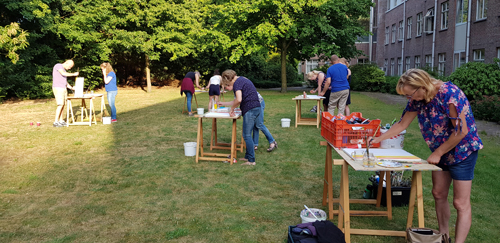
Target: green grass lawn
{"x": 130, "y": 181}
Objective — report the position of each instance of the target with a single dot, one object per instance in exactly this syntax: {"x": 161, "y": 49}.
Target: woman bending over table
{"x": 448, "y": 127}
{"x": 187, "y": 87}
{"x": 319, "y": 77}
{"x": 247, "y": 99}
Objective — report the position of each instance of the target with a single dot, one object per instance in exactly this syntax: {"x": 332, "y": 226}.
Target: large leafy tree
{"x": 297, "y": 29}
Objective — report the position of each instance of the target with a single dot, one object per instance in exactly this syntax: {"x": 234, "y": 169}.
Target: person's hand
{"x": 371, "y": 140}
{"x": 312, "y": 91}
{"x": 231, "y": 113}
{"x": 434, "y": 158}
{"x": 76, "y": 74}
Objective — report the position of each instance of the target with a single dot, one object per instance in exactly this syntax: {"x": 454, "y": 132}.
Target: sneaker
{"x": 57, "y": 124}
{"x": 63, "y": 123}
{"x": 113, "y": 120}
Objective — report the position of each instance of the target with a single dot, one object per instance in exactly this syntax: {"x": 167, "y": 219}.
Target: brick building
{"x": 442, "y": 34}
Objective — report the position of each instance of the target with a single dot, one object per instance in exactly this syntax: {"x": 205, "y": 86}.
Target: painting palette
{"x": 389, "y": 164}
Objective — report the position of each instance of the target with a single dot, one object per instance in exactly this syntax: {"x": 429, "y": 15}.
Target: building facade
{"x": 439, "y": 34}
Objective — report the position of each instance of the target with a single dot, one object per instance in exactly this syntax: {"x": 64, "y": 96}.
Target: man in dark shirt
{"x": 247, "y": 99}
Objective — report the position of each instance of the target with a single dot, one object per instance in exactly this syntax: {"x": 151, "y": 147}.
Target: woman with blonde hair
{"x": 319, "y": 77}
{"x": 109, "y": 77}
{"x": 449, "y": 129}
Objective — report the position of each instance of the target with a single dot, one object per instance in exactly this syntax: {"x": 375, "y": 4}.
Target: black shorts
{"x": 327, "y": 97}
{"x": 214, "y": 89}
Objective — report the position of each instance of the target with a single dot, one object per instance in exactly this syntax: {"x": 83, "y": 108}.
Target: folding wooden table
{"x": 298, "y": 107}
{"x": 83, "y": 109}
{"x": 214, "y": 144}
{"x": 344, "y": 212}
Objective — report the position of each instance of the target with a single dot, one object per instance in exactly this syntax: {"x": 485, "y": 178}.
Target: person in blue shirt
{"x": 109, "y": 77}
{"x": 336, "y": 77}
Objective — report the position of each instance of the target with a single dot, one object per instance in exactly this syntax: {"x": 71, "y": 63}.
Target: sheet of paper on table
{"x": 385, "y": 154}
{"x": 220, "y": 114}
{"x": 314, "y": 97}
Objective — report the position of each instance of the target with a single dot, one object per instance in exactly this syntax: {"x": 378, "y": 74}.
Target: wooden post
{"x": 148, "y": 74}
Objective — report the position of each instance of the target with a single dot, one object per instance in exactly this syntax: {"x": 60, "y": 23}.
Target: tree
{"x": 297, "y": 29}
{"x": 12, "y": 39}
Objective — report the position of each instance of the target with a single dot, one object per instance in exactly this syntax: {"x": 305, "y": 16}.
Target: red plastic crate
{"x": 341, "y": 134}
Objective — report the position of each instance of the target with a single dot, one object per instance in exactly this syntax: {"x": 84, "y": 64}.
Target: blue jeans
{"x": 259, "y": 125}
{"x": 189, "y": 97}
{"x": 250, "y": 118}
{"x": 111, "y": 101}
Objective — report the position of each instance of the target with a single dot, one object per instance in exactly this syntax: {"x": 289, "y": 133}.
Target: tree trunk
{"x": 148, "y": 74}
{"x": 283, "y": 66}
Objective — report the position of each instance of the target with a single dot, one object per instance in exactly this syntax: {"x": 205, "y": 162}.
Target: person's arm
{"x": 321, "y": 78}
{"x": 397, "y": 128}
{"x": 348, "y": 72}
{"x": 66, "y": 74}
{"x": 454, "y": 138}
{"x": 107, "y": 79}
{"x": 327, "y": 84}
{"x": 69, "y": 86}
{"x": 197, "y": 78}
{"x": 236, "y": 102}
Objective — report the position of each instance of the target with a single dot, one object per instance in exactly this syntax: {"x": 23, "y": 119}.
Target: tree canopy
{"x": 169, "y": 36}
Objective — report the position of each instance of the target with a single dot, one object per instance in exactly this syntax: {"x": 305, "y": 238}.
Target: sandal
{"x": 272, "y": 146}
{"x": 255, "y": 147}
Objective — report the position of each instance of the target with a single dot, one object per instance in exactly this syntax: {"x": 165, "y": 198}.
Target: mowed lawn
{"x": 130, "y": 181}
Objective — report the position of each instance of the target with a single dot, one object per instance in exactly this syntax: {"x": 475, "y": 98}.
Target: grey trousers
{"x": 338, "y": 99}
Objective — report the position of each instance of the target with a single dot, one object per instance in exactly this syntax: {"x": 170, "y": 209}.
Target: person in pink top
{"x": 59, "y": 87}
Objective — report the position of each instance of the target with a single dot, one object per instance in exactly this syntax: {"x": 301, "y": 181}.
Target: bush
{"x": 486, "y": 108}
{"x": 390, "y": 85}
{"x": 367, "y": 77}
{"x": 478, "y": 79}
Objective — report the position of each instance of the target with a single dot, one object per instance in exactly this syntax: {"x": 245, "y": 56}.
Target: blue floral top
{"x": 437, "y": 126}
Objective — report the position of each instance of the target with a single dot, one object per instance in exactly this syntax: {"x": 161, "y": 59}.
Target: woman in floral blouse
{"x": 448, "y": 127}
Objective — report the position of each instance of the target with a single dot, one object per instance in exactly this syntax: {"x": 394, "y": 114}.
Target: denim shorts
{"x": 462, "y": 171}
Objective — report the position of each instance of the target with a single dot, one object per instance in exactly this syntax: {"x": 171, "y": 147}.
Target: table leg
{"x": 201, "y": 137}
{"x": 233, "y": 142}
{"x": 71, "y": 109}
{"x": 318, "y": 111}
{"x": 420, "y": 199}
{"x": 388, "y": 194}
{"x": 344, "y": 205}
{"x": 380, "y": 188}
{"x": 195, "y": 100}
{"x": 300, "y": 110}
{"x": 102, "y": 106}
{"x": 214, "y": 130}
{"x": 296, "y": 112}
{"x": 67, "y": 111}
{"x": 198, "y": 137}
{"x": 411, "y": 205}
{"x": 325, "y": 179}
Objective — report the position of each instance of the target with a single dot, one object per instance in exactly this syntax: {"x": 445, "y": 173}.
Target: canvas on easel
{"x": 78, "y": 87}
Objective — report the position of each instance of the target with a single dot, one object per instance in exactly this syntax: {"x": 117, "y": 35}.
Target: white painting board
{"x": 78, "y": 87}
{"x": 385, "y": 154}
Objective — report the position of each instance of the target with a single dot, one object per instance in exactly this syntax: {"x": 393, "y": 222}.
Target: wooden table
{"x": 214, "y": 144}
{"x": 344, "y": 215}
{"x": 298, "y": 107}
{"x": 83, "y": 109}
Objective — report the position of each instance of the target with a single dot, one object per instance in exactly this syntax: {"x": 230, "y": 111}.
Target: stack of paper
{"x": 383, "y": 154}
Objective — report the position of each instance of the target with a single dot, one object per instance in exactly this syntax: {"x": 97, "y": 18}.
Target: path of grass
{"x": 130, "y": 181}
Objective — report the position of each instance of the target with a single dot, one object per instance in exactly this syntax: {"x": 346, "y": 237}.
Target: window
{"x": 428, "y": 61}
{"x": 363, "y": 61}
{"x": 392, "y": 66}
{"x": 458, "y": 59}
{"x": 479, "y": 55}
{"x": 400, "y": 66}
{"x": 408, "y": 33}
{"x": 481, "y": 9}
{"x": 408, "y": 63}
{"x": 462, "y": 10}
{"x": 429, "y": 21}
{"x": 311, "y": 65}
{"x": 498, "y": 52}
{"x": 419, "y": 24}
{"x": 400, "y": 31}
{"x": 417, "y": 61}
{"x": 385, "y": 66}
{"x": 444, "y": 15}
{"x": 393, "y": 33}
{"x": 442, "y": 63}
{"x": 386, "y": 35}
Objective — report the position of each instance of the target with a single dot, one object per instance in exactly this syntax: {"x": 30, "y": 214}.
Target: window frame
{"x": 462, "y": 9}
{"x": 478, "y": 55}
{"x": 392, "y": 66}
{"x": 407, "y": 63}
{"x": 408, "y": 24}
{"x": 401, "y": 30}
{"x": 444, "y": 14}
{"x": 429, "y": 21}
{"x": 420, "y": 20}
{"x": 484, "y": 9}
{"x": 417, "y": 61}
{"x": 387, "y": 35}
{"x": 393, "y": 33}
{"x": 428, "y": 61}
{"x": 441, "y": 63}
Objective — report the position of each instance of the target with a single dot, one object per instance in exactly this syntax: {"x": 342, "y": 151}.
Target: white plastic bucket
{"x": 200, "y": 111}
{"x": 190, "y": 149}
{"x": 394, "y": 142}
{"x": 285, "y": 122}
{"x": 307, "y": 216}
{"x": 106, "y": 120}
